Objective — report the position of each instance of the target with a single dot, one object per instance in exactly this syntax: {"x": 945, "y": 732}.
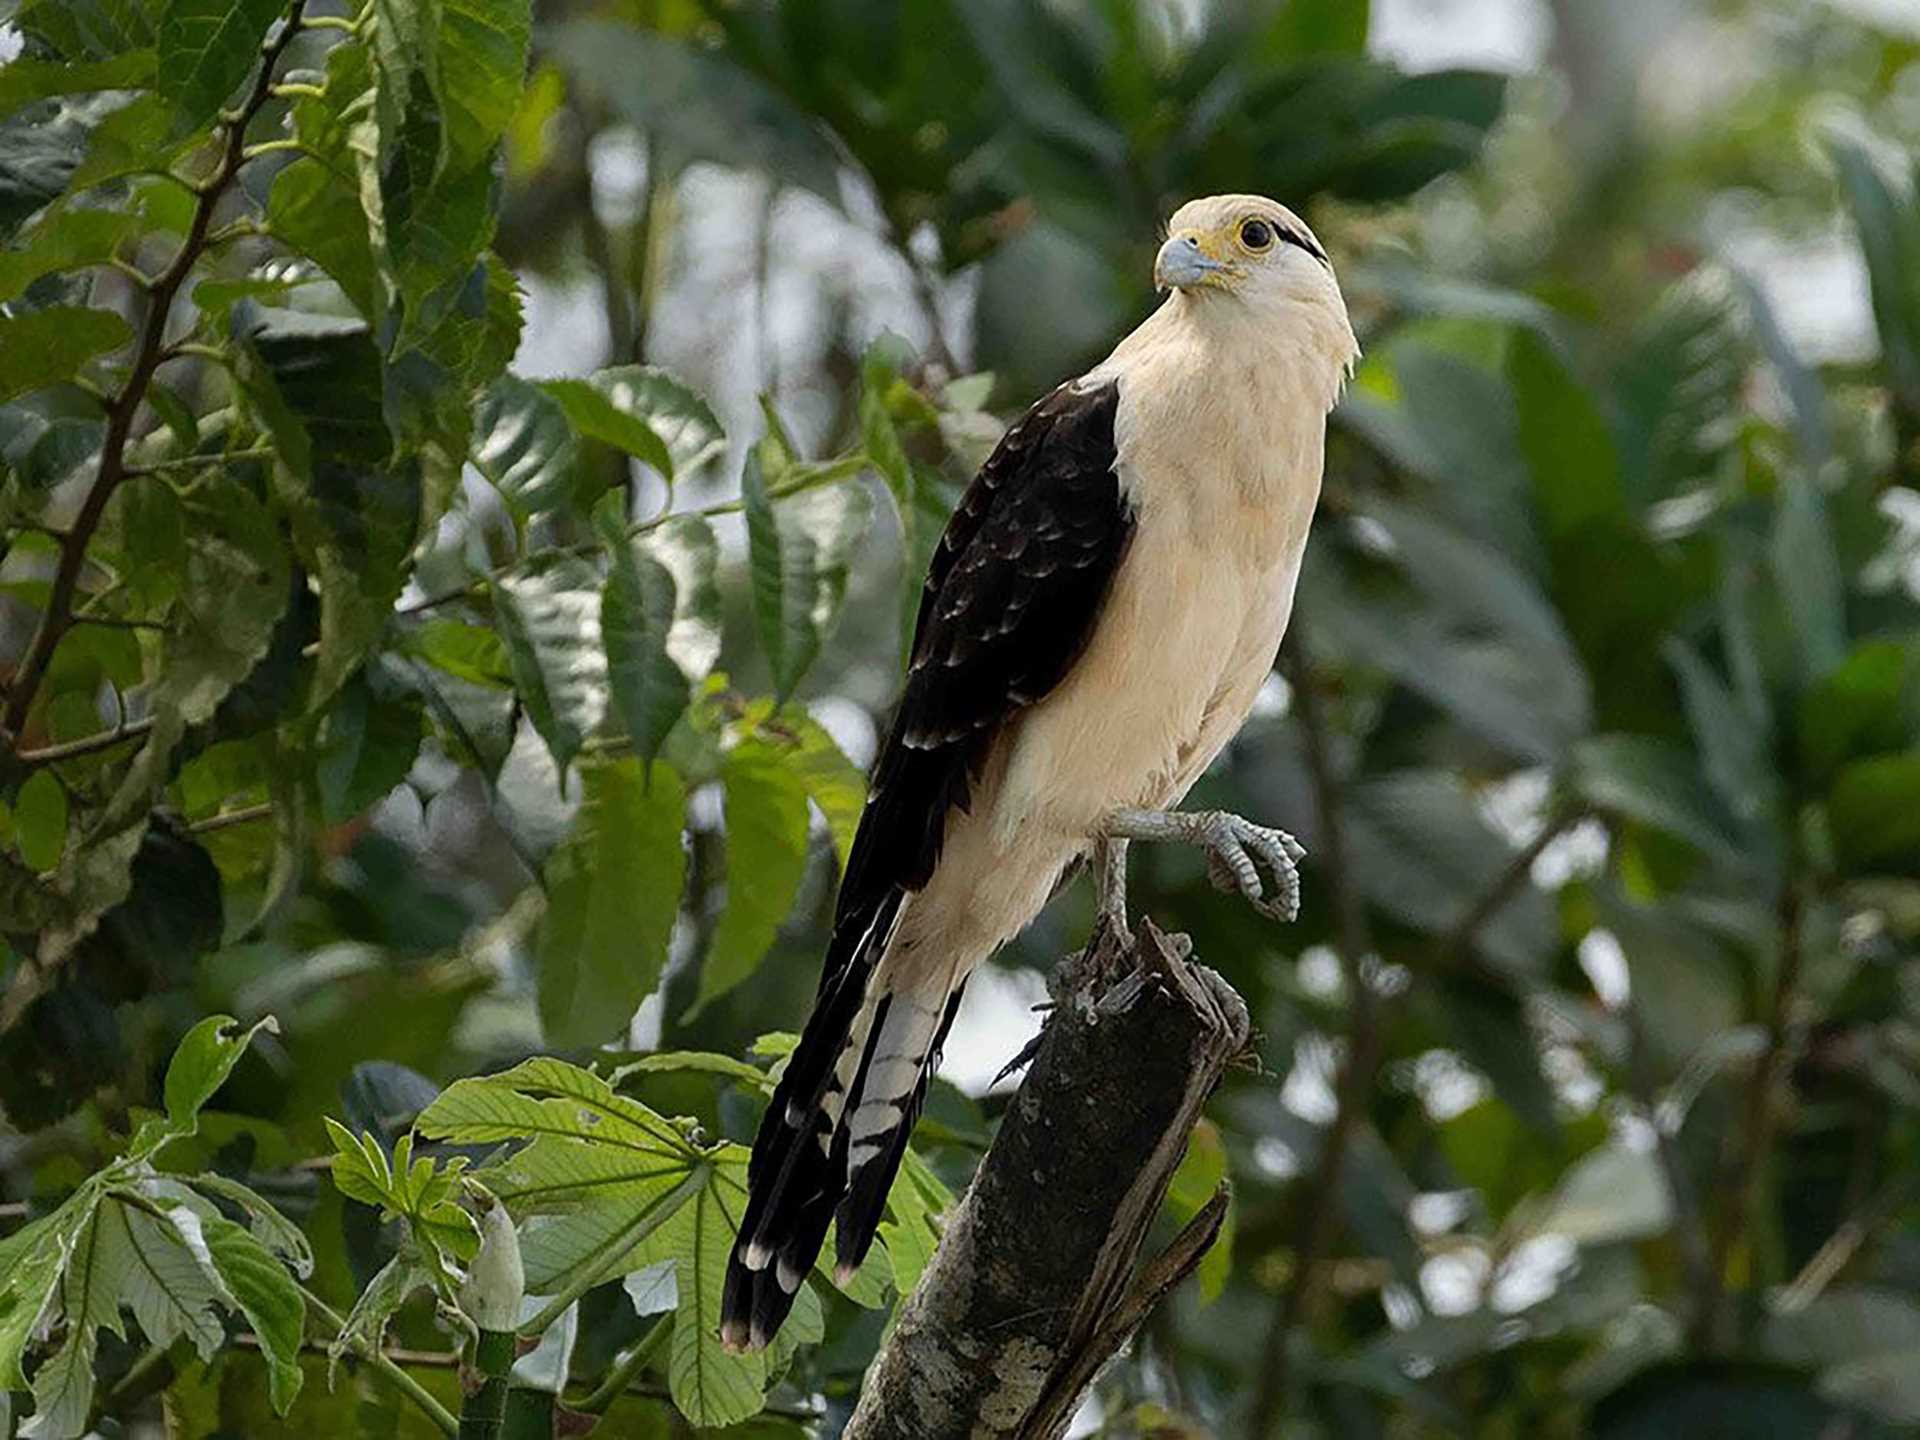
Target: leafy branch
{"x": 150, "y": 352}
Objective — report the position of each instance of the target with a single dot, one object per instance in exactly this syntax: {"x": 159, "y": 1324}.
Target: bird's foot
{"x": 1110, "y": 904}
{"x": 1236, "y": 849}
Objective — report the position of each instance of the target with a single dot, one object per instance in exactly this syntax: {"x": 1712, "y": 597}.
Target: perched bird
{"x": 1097, "y": 619}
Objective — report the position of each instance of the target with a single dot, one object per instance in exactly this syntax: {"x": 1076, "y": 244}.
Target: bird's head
{"x": 1247, "y": 261}
{"x": 1245, "y": 246}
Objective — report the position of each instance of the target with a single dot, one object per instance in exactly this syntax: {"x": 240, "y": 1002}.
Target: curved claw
{"x": 1233, "y": 844}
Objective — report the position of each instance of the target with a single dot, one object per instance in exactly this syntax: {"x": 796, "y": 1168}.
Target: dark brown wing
{"x": 1012, "y": 595}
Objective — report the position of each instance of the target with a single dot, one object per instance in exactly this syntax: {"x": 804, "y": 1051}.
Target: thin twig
{"x": 631, "y": 1366}
{"x": 227, "y": 818}
{"x": 1507, "y": 884}
{"x": 181, "y": 462}
{"x": 86, "y": 745}
{"x": 122, "y": 407}
{"x": 388, "y": 1368}
{"x": 1841, "y": 1246}
{"x": 1320, "y": 1222}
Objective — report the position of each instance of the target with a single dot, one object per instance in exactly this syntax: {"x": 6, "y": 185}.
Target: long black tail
{"x": 835, "y": 1132}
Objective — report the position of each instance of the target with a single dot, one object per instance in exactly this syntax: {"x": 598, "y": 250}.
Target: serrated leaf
{"x": 355, "y": 508}
{"x": 366, "y": 1323}
{"x": 833, "y": 782}
{"x": 602, "y": 408}
{"x": 547, "y": 1097}
{"x": 637, "y": 611}
{"x": 482, "y": 64}
{"x": 303, "y": 211}
{"x": 271, "y": 1228}
{"x": 613, "y": 893}
{"x": 207, "y": 47}
{"x": 704, "y": 1062}
{"x": 50, "y": 347}
{"x": 798, "y": 551}
{"x": 235, "y": 588}
{"x": 766, "y": 824}
{"x": 63, "y": 1389}
{"x": 524, "y": 444}
{"x": 916, "y": 1205}
{"x": 550, "y": 621}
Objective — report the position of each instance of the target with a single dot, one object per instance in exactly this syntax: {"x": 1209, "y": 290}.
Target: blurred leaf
{"x": 1201, "y": 1172}
{"x": 1422, "y": 851}
{"x": 1727, "y": 1400}
{"x": 303, "y": 211}
{"x": 1685, "y": 988}
{"x": 766, "y": 820}
{"x": 26, "y": 78}
{"x": 1317, "y": 27}
{"x": 701, "y": 104}
{"x": 40, "y": 821}
{"x": 1862, "y": 707}
{"x": 1873, "y": 809}
{"x": 1889, "y": 227}
{"x": 1807, "y": 570}
{"x": 1490, "y": 1026}
{"x": 1679, "y": 386}
{"x": 613, "y": 891}
{"x": 469, "y": 652}
{"x": 799, "y": 549}
{"x": 207, "y": 47}
{"x": 1576, "y": 472}
{"x": 52, "y": 346}
{"x": 364, "y": 746}
{"x": 1611, "y": 1194}
{"x": 63, "y": 238}
{"x": 1736, "y": 756}
{"x": 481, "y": 62}
{"x": 200, "y": 1066}
{"x": 550, "y": 620}
{"x": 1657, "y": 783}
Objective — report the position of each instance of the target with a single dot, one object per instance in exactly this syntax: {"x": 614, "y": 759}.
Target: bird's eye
{"x": 1256, "y": 234}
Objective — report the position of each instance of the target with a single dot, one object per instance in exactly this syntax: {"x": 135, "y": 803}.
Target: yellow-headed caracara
{"x": 1096, "y": 622}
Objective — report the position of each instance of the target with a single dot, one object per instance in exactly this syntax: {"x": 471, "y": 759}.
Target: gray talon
{"x": 1235, "y": 848}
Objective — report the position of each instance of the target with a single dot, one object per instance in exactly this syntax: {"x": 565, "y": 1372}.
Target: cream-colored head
{"x": 1248, "y": 259}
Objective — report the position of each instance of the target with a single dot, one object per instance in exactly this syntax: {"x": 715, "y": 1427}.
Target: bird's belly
{"x": 1186, "y": 638}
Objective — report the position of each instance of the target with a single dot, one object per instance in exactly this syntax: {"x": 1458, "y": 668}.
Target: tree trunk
{"x": 1034, "y": 1286}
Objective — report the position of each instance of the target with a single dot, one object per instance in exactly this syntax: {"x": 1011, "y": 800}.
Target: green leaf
{"x": 613, "y": 892}
{"x": 1859, "y": 708}
{"x": 366, "y": 1323}
{"x": 276, "y": 1311}
{"x": 25, "y": 79}
{"x": 31, "y": 1262}
{"x": 524, "y": 445}
{"x": 637, "y": 614}
{"x": 833, "y": 782}
{"x": 1873, "y": 809}
{"x": 89, "y": 29}
{"x": 1727, "y": 1400}
{"x": 603, "y": 408}
{"x": 1889, "y": 226}
{"x": 303, "y": 211}
{"x": 1679, "y": 387}
{"x": 269, "y": 1226}
{"x": 482, "y": 64}
{"x": 698, "y": 1061}
{"x": 798, "y": 552}
{"x": 356, "y": 510}
{"x": 1201, "y": 1172}
{"x": 364, "y": 745}
{"x": 424, "y": 1193}
{"x": 1657, "y": 783}
{"x": 916, "y": 1205}
{"x": 1317, "y": 27}
{"x": 470, "y": 652}
{"x": 766, "y": 820}
{"x": 40, "y": 821}
{"x": 549, "y": 619}
{"x": 50, "y": 347}
{"x": 233, "y": 592}
{"x": 701, "y": 104}
{"x": 1576, "y": 471}
{"x": 710, "y": 1386}
{"x": 63, "y": 1389}
{"x": 201, "y": 1064}
{"x": 63, "y": 238}
{"x": 1807, "y": 569}
{"x": 207, "y": 47}
{"x": 1735, "y": 754}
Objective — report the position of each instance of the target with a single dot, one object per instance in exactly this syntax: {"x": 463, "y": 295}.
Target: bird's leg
{"x": 1110, "y": 890}
{"x": 1233, "y": 845}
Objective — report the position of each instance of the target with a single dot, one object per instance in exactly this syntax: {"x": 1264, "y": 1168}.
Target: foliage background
{"x": 1588, "y": 1099}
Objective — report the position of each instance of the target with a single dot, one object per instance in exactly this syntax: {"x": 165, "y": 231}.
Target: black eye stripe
{"x": 1297, "y": 239}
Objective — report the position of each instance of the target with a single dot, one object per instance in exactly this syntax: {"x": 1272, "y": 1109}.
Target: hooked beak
{"x": 1186, "y": 260}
